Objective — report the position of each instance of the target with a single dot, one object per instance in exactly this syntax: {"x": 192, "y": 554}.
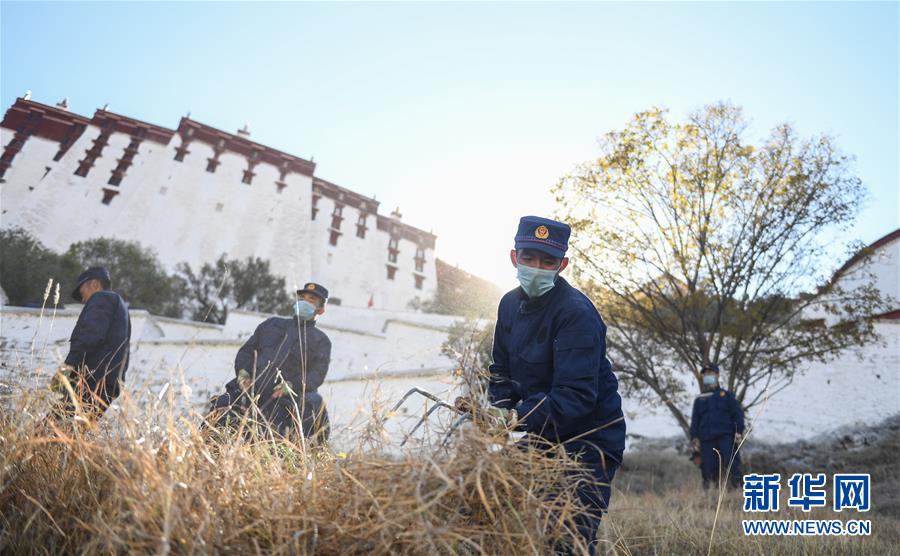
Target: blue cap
{"x": 93, "y": 273}
{"x": 711, "y": 368}
{"x": 315, "y": 289}
{"x": 543, "y": 234}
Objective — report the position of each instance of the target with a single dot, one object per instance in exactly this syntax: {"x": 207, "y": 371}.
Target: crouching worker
{"x": 550, "y": 373}
{"x": 99, "y": 347}
{"x": 278, "y": 372}
{"x": 717, "y": 425}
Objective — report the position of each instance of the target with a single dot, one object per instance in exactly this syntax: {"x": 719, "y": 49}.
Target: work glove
{"x": 495, "y": 418}
{"x": 245, "y": 382}
{"x": 695, "y": 444}
{"x": 282, "y": 389}
{"x": 463, "y": 404}
{"x": 498, "y": 418}
{"x": 62, "y": 375}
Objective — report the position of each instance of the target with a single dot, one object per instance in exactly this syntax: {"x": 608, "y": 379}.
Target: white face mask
{"x": 709, "y": 380}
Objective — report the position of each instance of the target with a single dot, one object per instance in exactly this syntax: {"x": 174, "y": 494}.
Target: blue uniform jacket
{"x": 101, "y": 339}
{"x": 716, "y": 413}
{"x": 549, "y": 362}
{"x": 301, "y": 355}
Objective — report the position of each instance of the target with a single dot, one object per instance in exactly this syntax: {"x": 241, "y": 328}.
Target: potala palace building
{"x": 195, "y": 192}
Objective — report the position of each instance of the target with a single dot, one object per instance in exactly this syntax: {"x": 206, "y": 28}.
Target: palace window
{"x": 83, "y": 168}
{"x": 248, "y": 177}
{"x": 125, "y": 162}
{"x": 419, "y": 280}
{"x": 181, "y": 152}
{"x": 393, "y": 250}
{"x": 391, "y": 272}
{"x": 420, "y": 259}
{"x": 333, "y": 239}
{"x": 211, "y": 165}
{"x": 108, "y": 195}
{"x": 361, "y": 225}
{"x": 315, "y": 206}
{"x": 337, "y": 216}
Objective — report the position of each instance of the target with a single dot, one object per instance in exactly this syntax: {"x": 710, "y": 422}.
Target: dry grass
{"x": 132, "y": 485}
{"x": 147, "y": 481}
{"x": 660, "y": 507}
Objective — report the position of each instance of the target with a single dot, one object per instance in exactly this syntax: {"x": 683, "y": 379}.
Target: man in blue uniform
{"x": 99, "y": 346}
{"x": 281, "y": 367}
{"x": 550, "y": 372}
{"x": 717, "y": 425}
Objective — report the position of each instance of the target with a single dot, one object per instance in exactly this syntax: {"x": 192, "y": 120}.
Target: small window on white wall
{"x": 420, "y": 259}
{"x": 393, "y": 250}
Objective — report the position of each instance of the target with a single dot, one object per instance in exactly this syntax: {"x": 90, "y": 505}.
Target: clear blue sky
{"x": 465, "y": 114}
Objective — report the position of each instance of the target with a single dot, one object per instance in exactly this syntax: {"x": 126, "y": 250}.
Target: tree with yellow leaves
{"x": 700, "y": 247}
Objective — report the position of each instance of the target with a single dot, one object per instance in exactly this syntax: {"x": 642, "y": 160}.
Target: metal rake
{"x": 438, "y": 403}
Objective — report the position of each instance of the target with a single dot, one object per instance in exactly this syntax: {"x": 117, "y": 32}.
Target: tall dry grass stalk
{"x": 41, "y": 318}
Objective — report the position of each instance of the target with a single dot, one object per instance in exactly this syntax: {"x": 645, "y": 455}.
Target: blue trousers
{"x": 716, "y": 454}
{"x": 594, "y": 491}
{"x": 593, "y": 485}
{"x": 595, "y": 496}
{"x": 280, "y": 414}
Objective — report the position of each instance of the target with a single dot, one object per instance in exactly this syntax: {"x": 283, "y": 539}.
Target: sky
{"x": 466, "y": 114}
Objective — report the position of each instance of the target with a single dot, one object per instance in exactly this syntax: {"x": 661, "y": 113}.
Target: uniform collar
{"x": 533, "y": 305}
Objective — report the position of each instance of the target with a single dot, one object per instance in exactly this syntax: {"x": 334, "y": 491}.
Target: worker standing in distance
{"x": 717, "y": 427}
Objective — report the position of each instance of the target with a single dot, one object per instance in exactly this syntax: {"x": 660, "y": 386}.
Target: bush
{"x": 26, "y": 266}
{"x": 232, "y": 284}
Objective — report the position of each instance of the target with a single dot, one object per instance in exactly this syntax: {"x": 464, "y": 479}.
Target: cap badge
{"x": 310, "y": 286}
{"x": 542, "y": 232}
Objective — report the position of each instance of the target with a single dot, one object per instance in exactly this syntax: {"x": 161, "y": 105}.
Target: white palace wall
{"x": 187, "y": 213}
{"x": 356, "y": 269}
